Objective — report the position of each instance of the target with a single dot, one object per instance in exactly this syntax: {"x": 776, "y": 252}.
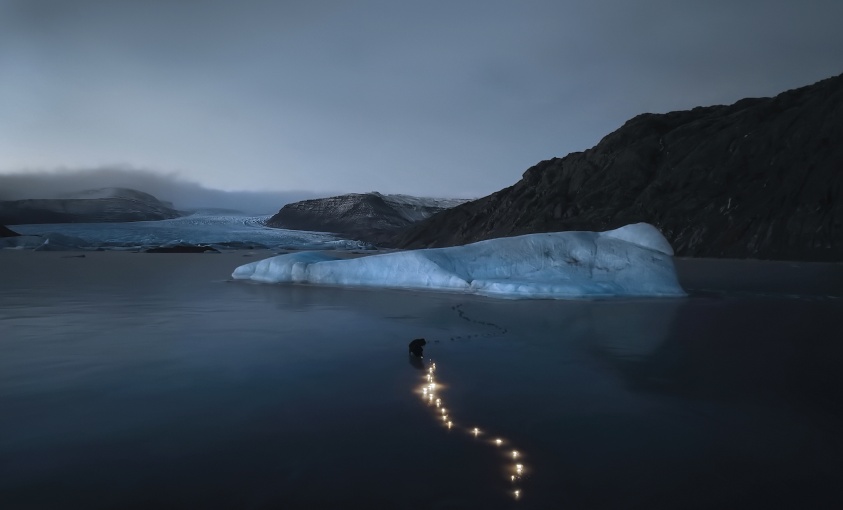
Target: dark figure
{"x": 417, "y": 346}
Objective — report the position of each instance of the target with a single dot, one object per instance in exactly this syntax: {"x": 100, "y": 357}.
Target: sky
{"x": 433, "y": 98}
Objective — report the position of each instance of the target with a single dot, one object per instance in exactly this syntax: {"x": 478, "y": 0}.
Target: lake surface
{"x": 150, "y": 380}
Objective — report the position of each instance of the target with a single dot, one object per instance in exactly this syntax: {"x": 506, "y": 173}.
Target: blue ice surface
{"x": 198, "y": 228}
{"x": 634, "y": 260}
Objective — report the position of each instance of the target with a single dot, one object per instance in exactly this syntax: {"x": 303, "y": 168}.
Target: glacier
{"x": 202, "y": 227}
{"x": 635, "y": 260}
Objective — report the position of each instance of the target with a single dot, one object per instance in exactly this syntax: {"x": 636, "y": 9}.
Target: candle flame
{"x": 428, "y": 392}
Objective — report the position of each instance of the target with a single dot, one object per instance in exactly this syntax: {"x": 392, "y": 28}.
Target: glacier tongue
{"x": 634, "y": 260}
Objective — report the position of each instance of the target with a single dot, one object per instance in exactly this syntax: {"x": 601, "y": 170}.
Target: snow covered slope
{"x": 224, "y": 231}
{"x": 634, "y": 260}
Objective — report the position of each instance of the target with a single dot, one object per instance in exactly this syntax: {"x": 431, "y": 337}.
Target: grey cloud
{"x": 438, "y": 98}
{"x": 169, "y": 187}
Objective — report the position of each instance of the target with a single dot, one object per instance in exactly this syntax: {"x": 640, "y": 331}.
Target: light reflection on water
{"x": 427, "y": 392}
{"x": 127, "y": 377}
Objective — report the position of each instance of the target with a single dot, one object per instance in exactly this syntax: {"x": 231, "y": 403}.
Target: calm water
{"x": 148, "y": 381}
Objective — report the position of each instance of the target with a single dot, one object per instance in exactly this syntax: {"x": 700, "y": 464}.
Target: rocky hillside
{"x": 5, "y": 232}
{"x": 372, "y": 216}
{"x": 91, "y": 206}
{"x": 761, "y": 178}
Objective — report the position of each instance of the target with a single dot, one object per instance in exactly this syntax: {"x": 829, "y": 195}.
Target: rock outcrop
{"x": 371, "y": 217}
{"x": 760, "y": 178}
{"x": 5, "y": 232}
{"x": 92, "y": 206}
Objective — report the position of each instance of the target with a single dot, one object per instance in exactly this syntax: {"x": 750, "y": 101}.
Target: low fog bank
{"x": 184, "y": 195}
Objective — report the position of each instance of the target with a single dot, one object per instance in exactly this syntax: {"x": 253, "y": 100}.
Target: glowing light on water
{"x": 428, "y": 393}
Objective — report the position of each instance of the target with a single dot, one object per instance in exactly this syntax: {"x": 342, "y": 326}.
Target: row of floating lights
{"x": 428, "y": 392}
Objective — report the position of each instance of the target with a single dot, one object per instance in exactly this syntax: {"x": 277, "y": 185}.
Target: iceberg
{"x": 635, "y": 260}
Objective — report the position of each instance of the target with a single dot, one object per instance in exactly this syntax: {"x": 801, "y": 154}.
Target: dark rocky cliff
{"x": 757, "y": 179}
{"x": 371, "y": 217}
{"x": 5, "y": 232}
{"x": 92, "y": 206}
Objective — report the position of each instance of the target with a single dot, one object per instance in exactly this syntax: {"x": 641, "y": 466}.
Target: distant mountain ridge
{"x": 101, "y": 205}
{"x": 760, "y": 178}
{"x": 373, "y": 216}
{"x": 123, "y": 193}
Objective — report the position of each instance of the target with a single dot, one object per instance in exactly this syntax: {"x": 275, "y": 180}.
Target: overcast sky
{"x": 437, "y": 98}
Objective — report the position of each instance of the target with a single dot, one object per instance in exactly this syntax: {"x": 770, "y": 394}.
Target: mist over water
{"x": 167, "y": 187}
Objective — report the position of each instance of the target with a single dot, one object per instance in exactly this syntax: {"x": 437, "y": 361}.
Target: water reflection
{"x": 427, "y": 391}
{"x": 416, "y": 363}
